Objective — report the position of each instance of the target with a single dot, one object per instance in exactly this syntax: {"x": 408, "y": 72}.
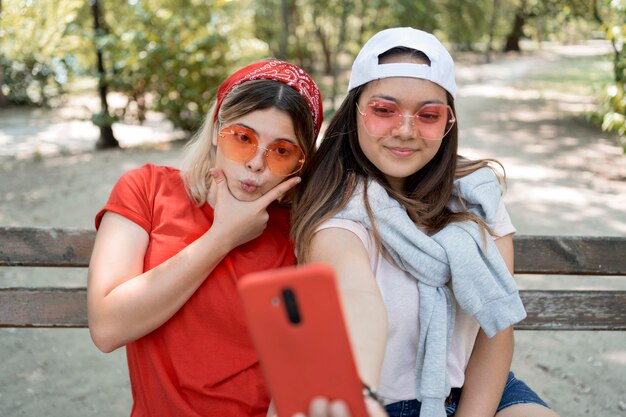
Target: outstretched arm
{"x": 365, "y": 311}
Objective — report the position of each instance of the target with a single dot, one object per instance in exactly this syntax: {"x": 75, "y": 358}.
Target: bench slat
{"x": 559, "y": 255}
{"x": 547, "y": 310}
{"x": 574, "y": 310}
{"x": 43, "y": 307}
{"x": 570, "y": 255}
{"x": 38, "y": 246}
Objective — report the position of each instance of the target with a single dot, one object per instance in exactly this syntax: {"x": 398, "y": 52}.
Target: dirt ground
{"x": 564, "y": 177}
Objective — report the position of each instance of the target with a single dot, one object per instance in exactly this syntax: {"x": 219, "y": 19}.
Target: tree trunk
{"x": 517, "y": 31}
{"x": 4, "y": 101}
{"x": 106, "y": 139}
{"x": 492, "y": 25}
{"x": 328, "y": 61}
{"x": 343, "y": 28}
{"x": 284, "y": 34}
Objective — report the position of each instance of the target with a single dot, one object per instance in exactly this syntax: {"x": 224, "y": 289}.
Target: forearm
{"x": 142, "y": 303}
{"x": 367, "y": 324}
{"x": 486, "y": 374}
{"x": 363, "y": 305}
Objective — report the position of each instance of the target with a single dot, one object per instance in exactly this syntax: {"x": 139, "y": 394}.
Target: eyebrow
{"x": 396, "y": 101}
{"x": 257, "y": 134}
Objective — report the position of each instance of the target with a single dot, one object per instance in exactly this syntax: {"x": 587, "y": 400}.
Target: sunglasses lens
{"x": 237, "y": 143}
{"x": 381, "y": 118}
{"x": 240, "y": 145}
{"x": 284, "y": 158}
{"x": 432, "y": 121}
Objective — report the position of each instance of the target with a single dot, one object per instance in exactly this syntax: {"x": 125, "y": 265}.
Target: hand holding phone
{"x": 297, "y": 326}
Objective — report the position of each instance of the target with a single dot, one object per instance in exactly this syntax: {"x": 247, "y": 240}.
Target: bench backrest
{"x": 547, "y": 310}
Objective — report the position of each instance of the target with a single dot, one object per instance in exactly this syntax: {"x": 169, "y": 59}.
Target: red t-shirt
{"x": 201, "y": 362}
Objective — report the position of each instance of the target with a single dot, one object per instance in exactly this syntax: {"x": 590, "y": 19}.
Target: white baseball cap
{"x": 366, "y": 67}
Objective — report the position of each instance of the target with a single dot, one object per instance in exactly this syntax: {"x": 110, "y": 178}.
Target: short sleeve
{"x": 131, "y": 197}
{"x": 503, "y": 225}
{"x": 355, "y": 227}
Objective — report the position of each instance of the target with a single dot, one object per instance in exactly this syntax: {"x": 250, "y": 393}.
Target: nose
{"x": 257, "y": 162}
{"x": 406, "y": 126}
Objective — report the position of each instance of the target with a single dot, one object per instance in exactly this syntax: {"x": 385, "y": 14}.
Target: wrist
{"x": 369, "y": 392}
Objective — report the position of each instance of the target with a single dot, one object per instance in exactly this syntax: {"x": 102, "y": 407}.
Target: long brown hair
{"x": 339, "y": 165}
{"x": 244, "y": 99}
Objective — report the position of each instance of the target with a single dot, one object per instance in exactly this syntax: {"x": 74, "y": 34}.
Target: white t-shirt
{"x": 400, "y": 294}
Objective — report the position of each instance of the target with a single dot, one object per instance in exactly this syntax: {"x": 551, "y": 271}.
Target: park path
{"x": 564, "y": 177}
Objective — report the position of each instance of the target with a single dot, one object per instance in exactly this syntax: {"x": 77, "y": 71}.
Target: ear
{"x": 215, "y": 135}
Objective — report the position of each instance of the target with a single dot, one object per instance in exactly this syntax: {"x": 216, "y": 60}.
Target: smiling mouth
{"x": 402, "y": 152}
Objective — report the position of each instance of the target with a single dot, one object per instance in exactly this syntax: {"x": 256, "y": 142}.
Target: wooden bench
{"x": 546, "y": 255}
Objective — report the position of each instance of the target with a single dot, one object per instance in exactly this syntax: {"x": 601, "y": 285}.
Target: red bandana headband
{"x": 283, "y": 72}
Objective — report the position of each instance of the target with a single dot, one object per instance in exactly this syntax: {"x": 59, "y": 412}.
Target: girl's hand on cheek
{"x": 238, "y": 222}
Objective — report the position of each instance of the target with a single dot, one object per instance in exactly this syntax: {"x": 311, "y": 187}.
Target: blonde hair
{"x": 199, "y": 153}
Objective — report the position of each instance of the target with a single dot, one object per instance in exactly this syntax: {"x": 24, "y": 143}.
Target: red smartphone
{"x": 298, "y": 329}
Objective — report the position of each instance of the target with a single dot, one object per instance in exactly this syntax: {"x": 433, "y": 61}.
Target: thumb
{"x": 217, "y": 174}
{"x": 221, "y": 186}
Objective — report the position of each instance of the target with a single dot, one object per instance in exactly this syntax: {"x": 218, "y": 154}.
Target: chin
{"x": 243, "y": 196}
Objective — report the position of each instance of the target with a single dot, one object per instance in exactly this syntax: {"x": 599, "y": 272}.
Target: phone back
{"x": 297, "y": 326}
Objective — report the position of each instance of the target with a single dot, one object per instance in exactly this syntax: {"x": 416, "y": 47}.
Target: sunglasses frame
{"x": 450, "y": 122}
{"x": 266, "y": 151}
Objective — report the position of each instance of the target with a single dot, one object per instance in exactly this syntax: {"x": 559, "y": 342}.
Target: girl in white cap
{"x": 419, "y": 238}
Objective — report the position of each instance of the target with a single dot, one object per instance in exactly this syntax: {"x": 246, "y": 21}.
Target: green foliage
{"x": 612, "y": 113}
{"x": 164, "y": 55}
{"x": 466, "y": 22}
{"x": 103, "y": 119}
{"x": 170, "y": 56}
{"x": 35, "y": 49}
{"x": 29, "y": 82}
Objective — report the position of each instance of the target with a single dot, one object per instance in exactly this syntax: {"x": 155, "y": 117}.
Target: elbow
{"x": 103, "y": 339}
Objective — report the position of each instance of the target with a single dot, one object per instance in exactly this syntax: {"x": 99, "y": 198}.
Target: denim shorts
{"x": 515, "y": 392}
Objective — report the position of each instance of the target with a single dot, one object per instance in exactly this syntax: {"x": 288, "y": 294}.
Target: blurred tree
{"x": 548, "y": 16}
{"x": 323, "y": 36}
{"x": 4, "y": 101}
{"x": 493, "y": 18}
{"x": 171, "y": 55}
{"x": 35, "y": 49}
{"x": 465, "y": 22}
{"x": 103, "y": 119}
{"x": 612, "y": 115}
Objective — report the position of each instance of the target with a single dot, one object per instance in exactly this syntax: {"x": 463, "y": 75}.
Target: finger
{"x": 339, "y": 408}
{"x": 374, "y": 408}
{"x": 221, "y": 184}
{"x": 277, "y": 192}
{"x": 217, "y": 174}
{"x": 318, "y": 407}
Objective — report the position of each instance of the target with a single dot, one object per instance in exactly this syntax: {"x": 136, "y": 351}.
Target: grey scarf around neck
{"x": 480, "y": 280}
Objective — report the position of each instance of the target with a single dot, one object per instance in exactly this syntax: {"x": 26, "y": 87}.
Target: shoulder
{"x": 333, "y": 243}
{"x": 150, "y": 171}
{"x": 344, "y": 225}
{"x": 148, "y": 179}
{"x": 344, "y": 235}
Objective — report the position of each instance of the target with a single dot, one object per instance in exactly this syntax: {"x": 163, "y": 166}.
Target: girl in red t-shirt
{"x": 172, "y": 244}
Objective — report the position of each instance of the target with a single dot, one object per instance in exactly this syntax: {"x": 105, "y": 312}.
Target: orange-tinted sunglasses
{"x": 240, "y": 144}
